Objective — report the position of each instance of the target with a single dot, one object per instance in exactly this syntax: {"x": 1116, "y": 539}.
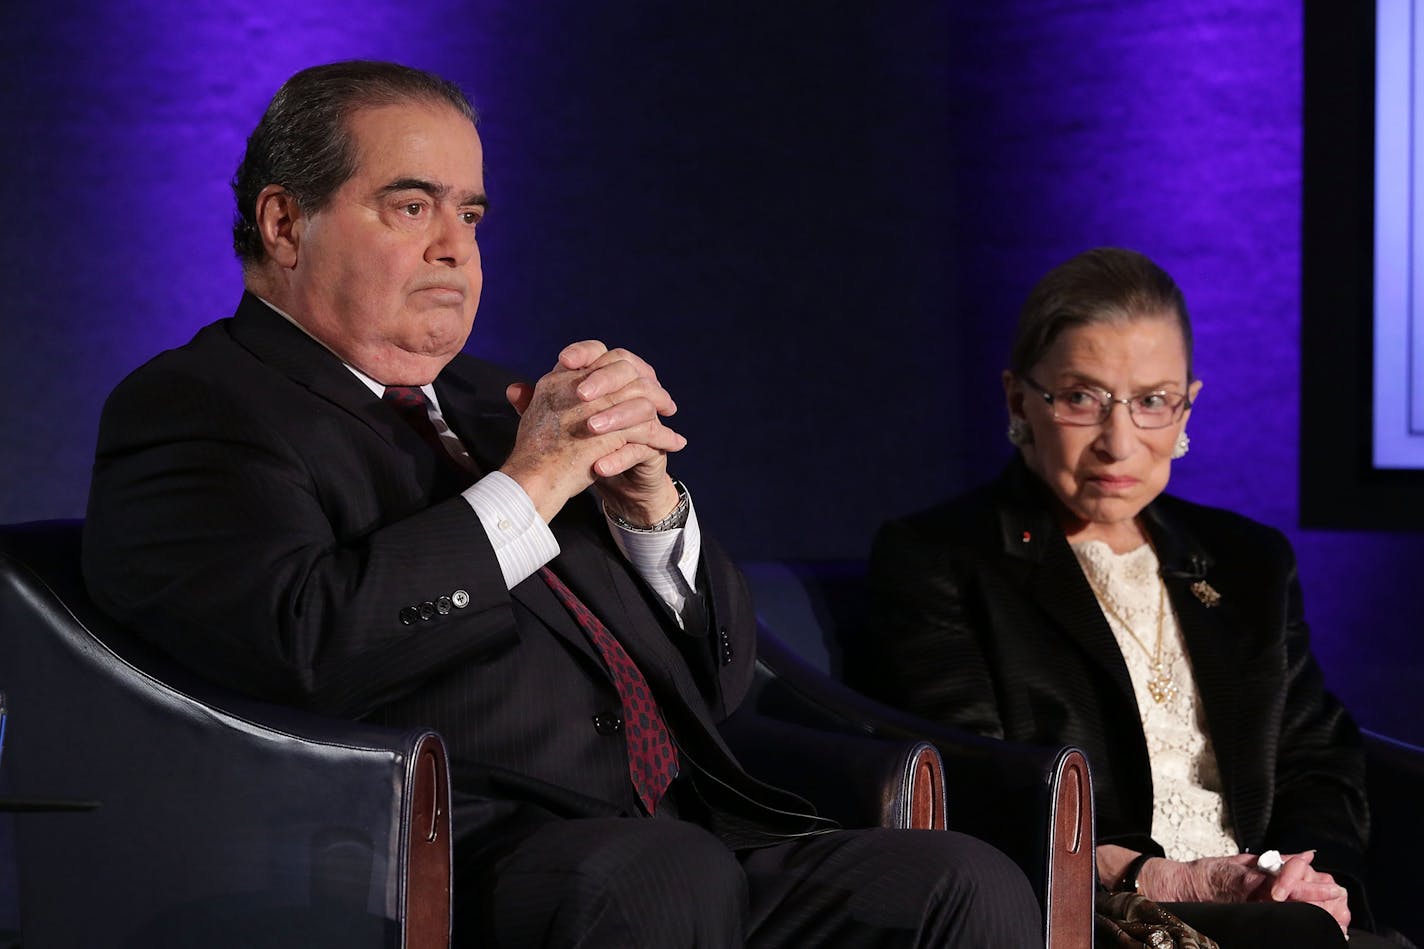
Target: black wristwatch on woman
{"x": 1128, "y": 883}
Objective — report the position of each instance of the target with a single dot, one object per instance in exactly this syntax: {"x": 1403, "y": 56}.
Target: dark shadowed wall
{"x": 816, "y": 219}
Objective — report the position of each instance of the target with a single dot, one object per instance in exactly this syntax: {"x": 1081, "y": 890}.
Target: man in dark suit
{"x": 321, "y": 501}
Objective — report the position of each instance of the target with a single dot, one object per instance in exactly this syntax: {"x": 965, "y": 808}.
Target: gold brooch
{"x": 1206, "y": 593}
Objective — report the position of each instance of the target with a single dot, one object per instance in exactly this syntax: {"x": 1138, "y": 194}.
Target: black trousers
{"x": 663, "y": 884}
{"x": 1249, "y": 925}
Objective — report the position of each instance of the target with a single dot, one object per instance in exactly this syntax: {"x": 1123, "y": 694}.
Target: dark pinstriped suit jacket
{"x": 983, "y": 618}
{"x": 260, "y": 515}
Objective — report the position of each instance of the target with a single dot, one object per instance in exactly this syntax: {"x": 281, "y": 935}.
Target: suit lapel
{"x": 1215, "y": 653}
{"x": 534, "y": 594}
{"x": 288, "y": 350}
{"x": 294, "y": 354}
{"x": 1054, "y": 580}
{"x": 291, "y": 352}
{"x": 615, "y": 597}
{"x": 479, "y": 415}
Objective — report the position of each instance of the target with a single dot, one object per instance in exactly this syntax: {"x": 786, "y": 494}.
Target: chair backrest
{"x": 813, "y": 606}
{"x": 1034, "y": 803}
{"x": 220, "y": 821}
{"x": 1395, "y": 778}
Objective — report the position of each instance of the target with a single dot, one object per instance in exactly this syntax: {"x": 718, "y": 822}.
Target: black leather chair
{"x": 227, "y": 822}
{"x": 220, "y": 821}
{"x": 1034, "y": 803}
{"x": 1394, "y": 772}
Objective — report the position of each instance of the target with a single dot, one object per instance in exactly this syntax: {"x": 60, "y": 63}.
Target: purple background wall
{"x": 818, "y": 223}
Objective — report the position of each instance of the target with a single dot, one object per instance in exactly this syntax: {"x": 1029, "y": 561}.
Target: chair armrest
{"x": 221, "y": 820}
{"x": 1035, "y": 803}
{"x": 1395, "y": 781}
{"x": 854, "y": 779}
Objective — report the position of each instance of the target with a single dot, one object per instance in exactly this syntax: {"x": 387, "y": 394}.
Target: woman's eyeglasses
{"x": 1085, "y": 405}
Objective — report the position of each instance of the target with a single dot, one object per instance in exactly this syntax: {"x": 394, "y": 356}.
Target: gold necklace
{"x": 1160, "y": 686}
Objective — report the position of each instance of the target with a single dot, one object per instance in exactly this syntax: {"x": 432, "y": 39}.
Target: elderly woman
{"x": 1071, "y": 601}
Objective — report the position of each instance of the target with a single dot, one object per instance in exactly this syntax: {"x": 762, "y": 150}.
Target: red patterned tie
{"x": 414, "y": 408}
{"x": 652, "y": 759}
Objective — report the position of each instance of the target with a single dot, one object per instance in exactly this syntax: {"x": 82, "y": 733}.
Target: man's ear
{"x": 279, "y": 221}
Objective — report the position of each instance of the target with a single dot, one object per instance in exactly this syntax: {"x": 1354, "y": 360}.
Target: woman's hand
{"x": 1237, "y": 879}
{"x": 1234, "y": 879}
{"x": 1300, "y": 882}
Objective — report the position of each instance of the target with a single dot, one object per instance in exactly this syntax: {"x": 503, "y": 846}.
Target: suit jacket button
{"x": 409, "y": 615}
{"x": 442, "y": 605}
{"x": 460, "y": 599}
{"x": 608, "y": 723}
{"x": 427, "y": 610}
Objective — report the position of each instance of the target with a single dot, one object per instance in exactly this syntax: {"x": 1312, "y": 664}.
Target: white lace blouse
{"x": 1189, "y": 816}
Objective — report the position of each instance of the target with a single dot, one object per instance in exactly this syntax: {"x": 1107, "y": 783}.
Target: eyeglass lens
{"x": 1079, "y": 406}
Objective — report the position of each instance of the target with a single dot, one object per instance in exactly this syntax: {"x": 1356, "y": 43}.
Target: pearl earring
{"x": 1182, "y": 446}
{"x": 1019, "y": 433}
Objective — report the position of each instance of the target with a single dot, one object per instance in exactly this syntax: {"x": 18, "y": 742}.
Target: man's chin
{"x": 442, "y": 331}
{"x": 399, "y": 366}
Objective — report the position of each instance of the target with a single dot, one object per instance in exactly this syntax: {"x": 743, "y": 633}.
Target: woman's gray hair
{"x": 1102, "y": 285}
{"x": 303, "y": 141}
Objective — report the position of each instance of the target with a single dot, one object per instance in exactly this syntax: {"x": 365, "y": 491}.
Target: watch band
{"x": 676, "y": 519}
{"x": 1128, "y": 883}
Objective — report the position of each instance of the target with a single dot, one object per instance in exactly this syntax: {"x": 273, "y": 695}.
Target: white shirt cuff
{"x": 521, "y": 540}
{"x": 666, "y": 560}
